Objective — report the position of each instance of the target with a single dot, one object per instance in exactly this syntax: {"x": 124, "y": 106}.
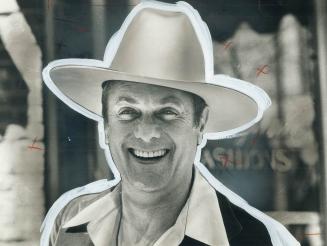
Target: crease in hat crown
{"x": 117, "y": 50}
{"x": 186, "y": 11}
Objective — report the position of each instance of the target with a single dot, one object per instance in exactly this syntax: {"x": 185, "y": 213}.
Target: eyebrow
{"x": 126, "y": 99}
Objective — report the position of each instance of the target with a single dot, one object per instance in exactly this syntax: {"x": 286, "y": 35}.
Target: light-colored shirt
{"x": 200, "y": 218}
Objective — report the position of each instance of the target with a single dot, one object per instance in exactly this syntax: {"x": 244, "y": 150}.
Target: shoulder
{"x": 66, "y": 213}
{"x": 77, "y": 204}
{"x": 244, "y": 224}
{"x": 68, "y": 205}
{"x": 248, "y": 226}
{"x": 241, "y": 227}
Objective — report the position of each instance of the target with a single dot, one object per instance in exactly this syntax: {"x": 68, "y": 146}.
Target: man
{"x": 160, "y": 102}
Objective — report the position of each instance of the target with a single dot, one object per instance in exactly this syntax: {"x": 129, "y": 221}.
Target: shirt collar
{"x": 200, "y": 218}
{"x": 204, "y": 221}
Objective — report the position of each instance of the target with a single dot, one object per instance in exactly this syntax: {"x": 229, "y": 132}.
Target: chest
{"x": 83, "y": 239}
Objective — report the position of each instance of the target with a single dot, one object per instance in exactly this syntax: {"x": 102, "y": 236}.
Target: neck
{"x": 147, "y": 215}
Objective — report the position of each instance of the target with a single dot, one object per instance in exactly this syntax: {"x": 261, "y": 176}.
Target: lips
{"x": 153, "y": 155}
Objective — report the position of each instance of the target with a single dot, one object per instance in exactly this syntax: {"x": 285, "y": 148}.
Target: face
{"x": 151, "y": 134}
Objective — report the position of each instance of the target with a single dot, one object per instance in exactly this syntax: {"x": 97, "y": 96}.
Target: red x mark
{"x": 227, "y": 45}
{"x": 224, "y": 158}
{"x": 262, "y": 70}
{"x": 34, "y": 147}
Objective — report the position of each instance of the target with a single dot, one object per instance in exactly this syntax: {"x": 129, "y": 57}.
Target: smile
{"x": 148, "y": 155}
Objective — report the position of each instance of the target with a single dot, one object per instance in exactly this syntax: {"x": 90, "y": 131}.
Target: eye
{"x": 168, "y": 114}
{"x": 128, "y": 114}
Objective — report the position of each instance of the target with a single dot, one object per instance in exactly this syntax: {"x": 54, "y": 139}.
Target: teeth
{"x": 149, "y": 154}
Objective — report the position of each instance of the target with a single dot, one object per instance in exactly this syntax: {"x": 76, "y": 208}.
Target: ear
{"x": 202, "y": 123}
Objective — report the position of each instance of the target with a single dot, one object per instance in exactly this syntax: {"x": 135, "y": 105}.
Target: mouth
{"x": 148, "y": 156}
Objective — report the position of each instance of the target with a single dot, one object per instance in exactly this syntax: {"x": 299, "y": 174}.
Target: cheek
{"x": 116, "y": 135}
{"x": 184, "y": 138}
{"x": 186, "y": 147}
{"x": 177, "y": 126}
{"x": 118, "y": 130}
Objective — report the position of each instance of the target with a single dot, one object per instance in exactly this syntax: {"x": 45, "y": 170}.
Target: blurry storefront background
{"x": 278, "y": 166}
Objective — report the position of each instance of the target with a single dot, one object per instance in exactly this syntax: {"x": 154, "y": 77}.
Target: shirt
{"x": 200, "y": 218}
{"x": 242, "y": 228}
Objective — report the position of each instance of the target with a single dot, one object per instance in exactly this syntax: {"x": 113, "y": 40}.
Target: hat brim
{"x": 228, "y": 108}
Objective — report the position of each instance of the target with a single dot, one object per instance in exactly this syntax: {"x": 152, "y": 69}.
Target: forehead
{"x": 144, "y": 93}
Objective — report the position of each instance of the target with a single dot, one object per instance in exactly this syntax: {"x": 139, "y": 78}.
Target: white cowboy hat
{"x": 167, "y": 45}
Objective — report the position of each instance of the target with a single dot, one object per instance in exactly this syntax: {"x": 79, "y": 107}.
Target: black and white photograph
{"x": 155, "y": 123}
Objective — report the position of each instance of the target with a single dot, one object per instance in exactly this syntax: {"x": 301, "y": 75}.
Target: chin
{"x": 151, "y": 183}
{"x": 146, "y": 188}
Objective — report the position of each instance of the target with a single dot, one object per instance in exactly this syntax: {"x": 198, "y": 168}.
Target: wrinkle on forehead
{"x": 136, "y": 93}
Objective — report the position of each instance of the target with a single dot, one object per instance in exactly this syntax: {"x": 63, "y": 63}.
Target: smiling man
{"x": 154, "y": 133}
{"x": 157, "y": 101}
{"x": 147, "y": 128}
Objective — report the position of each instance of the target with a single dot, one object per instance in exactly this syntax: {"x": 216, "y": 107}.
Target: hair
{"x": 198, "y": 103}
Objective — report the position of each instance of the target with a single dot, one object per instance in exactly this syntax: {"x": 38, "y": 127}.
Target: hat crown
{"x": 161, "y": 44}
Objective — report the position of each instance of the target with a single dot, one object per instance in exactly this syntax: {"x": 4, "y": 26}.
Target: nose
{"x": 146, "y": 130}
